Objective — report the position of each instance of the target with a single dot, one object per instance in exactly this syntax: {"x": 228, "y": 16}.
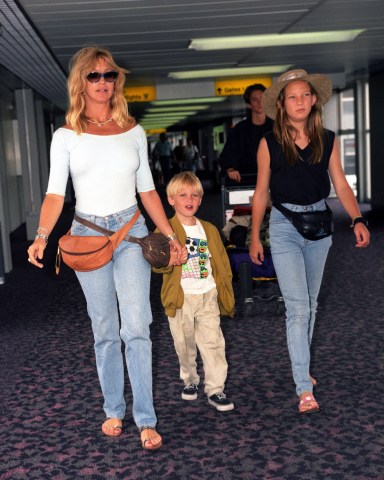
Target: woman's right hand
{"x": 50, "y": 212}
{"x": 256, "y": 252}
{"x": 36, "y": 251}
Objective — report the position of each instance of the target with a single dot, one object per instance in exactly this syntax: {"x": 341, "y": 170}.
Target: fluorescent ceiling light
{"x": 177, "y": 109}
{"x": 163, "y": 122}
{"x": 159, "y": 124}
{"x": 161, "y": 116}
{"x": 163, "y": 119}
{"x": 151, "y": 125}
{"x": 163, "y": 128}
{"x": 169, "y": 113}
{"x": 187, "y": 101}
{"x": 155, "y": 116}
{"x": 229, "y": 72}
{"x": 273, "y": 40}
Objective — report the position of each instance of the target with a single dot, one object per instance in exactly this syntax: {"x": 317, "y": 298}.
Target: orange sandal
{"x": 308, "y": 403}
{"x": 150, "y": 439}
{"x": 112, "y": 427}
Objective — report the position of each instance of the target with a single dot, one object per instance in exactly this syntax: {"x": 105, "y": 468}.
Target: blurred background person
{"x": 178, "y": 154}
{"x": 164, "y": 153}
{"x": 239, "y": 153}
{"x": 191, "y": 156}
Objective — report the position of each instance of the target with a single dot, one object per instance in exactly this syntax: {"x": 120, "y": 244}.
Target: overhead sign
{"x": 155, "y": 131}
{"x": 140, "y": 94}
{"x": 225, "y": 88}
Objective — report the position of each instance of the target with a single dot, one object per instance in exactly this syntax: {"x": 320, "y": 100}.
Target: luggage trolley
{"x": 236, "y": 194}
{"x": 236, "y": 201}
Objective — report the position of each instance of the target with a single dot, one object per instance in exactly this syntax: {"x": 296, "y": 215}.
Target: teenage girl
{"x": 295, "y": 162}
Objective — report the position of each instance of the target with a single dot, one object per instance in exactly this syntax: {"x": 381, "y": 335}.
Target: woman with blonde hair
{"x": 105, "y": 152}
{"x": 295, "y": 162}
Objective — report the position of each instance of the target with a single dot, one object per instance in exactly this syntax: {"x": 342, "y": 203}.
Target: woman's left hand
{"x": 174, "y": 258}
{"x": 362, "y": 235}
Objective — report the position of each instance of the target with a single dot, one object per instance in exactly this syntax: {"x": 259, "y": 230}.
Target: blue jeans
{"x": 118, "y": 304}
{"x": 299, "y": 265}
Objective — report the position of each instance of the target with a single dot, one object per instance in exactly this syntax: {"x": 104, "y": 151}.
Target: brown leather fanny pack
{"x": 87, "y": 253}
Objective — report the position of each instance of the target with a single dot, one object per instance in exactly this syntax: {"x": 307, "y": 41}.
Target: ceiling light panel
{"x": 274, "y": 40}
{"x": 187, "y": 101}
{"x": 177, "y": 109}
{"x": 229, "y": 72}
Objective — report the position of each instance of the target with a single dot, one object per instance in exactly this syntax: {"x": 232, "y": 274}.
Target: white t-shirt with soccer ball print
{"x": 196, "y": 276}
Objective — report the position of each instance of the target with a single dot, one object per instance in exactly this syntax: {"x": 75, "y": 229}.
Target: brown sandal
{"x": 148, "y": 439}
{"x": 308, "y": 403}
{"x": 112, "y": 427}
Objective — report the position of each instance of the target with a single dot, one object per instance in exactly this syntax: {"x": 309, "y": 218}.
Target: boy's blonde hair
{"x": 181, "y": 180}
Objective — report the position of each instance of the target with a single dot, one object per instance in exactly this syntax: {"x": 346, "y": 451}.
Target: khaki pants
{"x": 197, "y": 323}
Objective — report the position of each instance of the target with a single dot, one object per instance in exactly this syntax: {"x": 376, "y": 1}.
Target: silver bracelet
{"x": 172, "y": 236}
{"x": 42, "y": 235}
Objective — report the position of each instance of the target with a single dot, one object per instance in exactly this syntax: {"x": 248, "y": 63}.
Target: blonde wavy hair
{"x": 182, "y": 180}
{"x": 81, "y": 64}
{"x": 285, "y": 132}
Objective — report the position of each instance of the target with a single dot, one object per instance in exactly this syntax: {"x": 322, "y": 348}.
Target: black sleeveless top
{"x": 303, "y": 183}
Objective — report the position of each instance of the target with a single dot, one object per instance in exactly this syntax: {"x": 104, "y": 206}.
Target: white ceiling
{"x": 151, "y": 37}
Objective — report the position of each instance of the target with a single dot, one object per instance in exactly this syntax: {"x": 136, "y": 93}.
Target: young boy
{"x": 196, "y": 293}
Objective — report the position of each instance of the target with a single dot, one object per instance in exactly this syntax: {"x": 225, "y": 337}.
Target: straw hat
{"x": 321, "y": 84}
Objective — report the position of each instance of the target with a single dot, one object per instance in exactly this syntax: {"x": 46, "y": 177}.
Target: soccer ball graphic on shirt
{"x": 197, "y": 258}
{"x": 192, "y": 247}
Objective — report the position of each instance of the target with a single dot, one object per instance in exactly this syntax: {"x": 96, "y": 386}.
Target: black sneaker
{"x": 221, "y": 402}
{"x": 189, "y": 392}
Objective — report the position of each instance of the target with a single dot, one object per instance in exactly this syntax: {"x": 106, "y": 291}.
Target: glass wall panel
{"x": 347, "y": 134}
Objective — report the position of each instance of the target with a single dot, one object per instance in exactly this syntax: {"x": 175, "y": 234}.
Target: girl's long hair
{"x": 285, "y": 132}
{"x": 82, "y": 63}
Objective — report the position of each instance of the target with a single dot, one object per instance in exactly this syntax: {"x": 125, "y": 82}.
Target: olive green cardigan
{"x": 172, "y": 295}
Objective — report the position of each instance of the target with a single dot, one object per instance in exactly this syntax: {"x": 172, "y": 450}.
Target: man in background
{"x": 239, "y": 153}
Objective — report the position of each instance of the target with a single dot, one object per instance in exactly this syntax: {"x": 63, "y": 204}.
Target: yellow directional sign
{"x": 155, "y": 131}
{"x": 225, "y": 88}
{"x": 140, "y": 94}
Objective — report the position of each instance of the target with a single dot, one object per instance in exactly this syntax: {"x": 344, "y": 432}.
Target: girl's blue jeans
{"x": 118, "y": 304}
{"x": 299, "y": 265}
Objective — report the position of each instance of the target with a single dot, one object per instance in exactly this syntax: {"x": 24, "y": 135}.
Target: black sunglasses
{"x": 95, "y": 77}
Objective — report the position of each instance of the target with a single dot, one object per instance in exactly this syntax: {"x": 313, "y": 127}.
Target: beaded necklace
{"x": 99, "y": 124}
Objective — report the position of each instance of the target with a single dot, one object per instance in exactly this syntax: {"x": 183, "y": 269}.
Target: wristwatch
{"x": 359, "y": 220}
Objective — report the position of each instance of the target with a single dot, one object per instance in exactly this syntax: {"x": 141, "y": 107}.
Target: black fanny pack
{"x": 311, "y": 225}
